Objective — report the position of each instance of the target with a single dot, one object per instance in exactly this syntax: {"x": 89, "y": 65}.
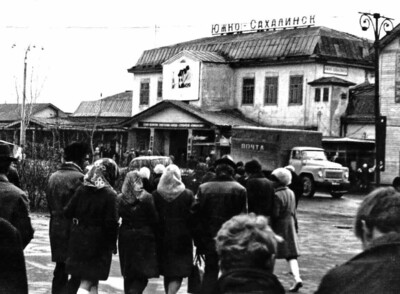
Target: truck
{"x": 302, "y": 149}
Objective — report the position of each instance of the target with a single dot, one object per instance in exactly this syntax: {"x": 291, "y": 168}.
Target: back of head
{"x": 144, "y": 172}
{"x": 76, "y": 152}
{"x": 380, "y": 210}
{"x": 282, "y": 176}
{"x": 246, "y": 241}
{"x": 252, "y": 167}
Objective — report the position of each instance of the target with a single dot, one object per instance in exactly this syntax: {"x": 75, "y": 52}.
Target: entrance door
{"x": 178, "y": 146}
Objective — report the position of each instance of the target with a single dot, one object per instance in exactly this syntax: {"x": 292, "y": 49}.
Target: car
{"x": 148, "y": 161}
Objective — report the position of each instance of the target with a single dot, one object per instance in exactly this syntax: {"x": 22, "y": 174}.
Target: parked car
{"x": 149, "y": 161}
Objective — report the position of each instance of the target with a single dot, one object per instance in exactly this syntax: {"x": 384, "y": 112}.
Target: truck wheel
{"x": 336, "y": 195}
{"x": 308, "y": 186}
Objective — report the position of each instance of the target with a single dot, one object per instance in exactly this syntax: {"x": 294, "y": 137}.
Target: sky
{"x": 81, "y": 50}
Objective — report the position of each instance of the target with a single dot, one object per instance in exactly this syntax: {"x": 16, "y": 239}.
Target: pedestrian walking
{"x": 284, "y": 223}
{"x": 246, "y": 246}
{"x": 296, "y": 184}
{"x": 145, "y": 174}
{"x": 61, "y": 187}
{"x": 158, "y": 171}
{"x": 217, "y": 201}
{"x": 173, "y": 203}
{"x": 14, "y": 203}
{"x": 260, "y": 192}
{"x": 93, "y": 211}
{"x": 137, "y": 240}
{"x": 376, "y": 269}
{"x": 13, "y": 279}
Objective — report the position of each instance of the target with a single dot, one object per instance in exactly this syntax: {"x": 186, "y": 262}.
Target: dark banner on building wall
{"x": 381, "y": 142}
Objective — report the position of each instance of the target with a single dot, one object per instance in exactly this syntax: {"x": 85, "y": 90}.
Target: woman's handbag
{"x": 196, "y": 276}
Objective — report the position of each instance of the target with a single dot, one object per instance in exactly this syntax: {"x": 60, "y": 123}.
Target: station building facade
{"x": 292, "y": 78}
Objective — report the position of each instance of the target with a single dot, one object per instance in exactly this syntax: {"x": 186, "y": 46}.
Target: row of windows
{"x": 145, "y": 91}
{"x": 271, "y": 90}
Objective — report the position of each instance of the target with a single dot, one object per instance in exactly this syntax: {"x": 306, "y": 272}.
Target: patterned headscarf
{"x": 104, "y": 173}
{"x": 170, "y": 185}
{"x": 132, "y": 188}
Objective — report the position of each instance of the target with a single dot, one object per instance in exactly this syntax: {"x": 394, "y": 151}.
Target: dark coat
{"x": 376, "y": 270}
{"x": 296, "y": 186}
{"x": 61, "y": 187}
{"x": 260, "y": 194}
{"x": 283, "y": 222}
{"x": 174, "y": 232}
{"x": 248, "y": 280}
{"x": 217, "y": 202}
{"x": 14, "y": 208}
{"x": 137, "y": 240}
{"x": 94, "y": 232}
{"x": 13, "y": 278}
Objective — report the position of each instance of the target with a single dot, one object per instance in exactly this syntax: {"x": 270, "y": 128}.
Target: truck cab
{"x": 317, "y": 172}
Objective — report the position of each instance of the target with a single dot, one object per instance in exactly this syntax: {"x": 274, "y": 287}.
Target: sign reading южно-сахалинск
{"x": 267, "y": 24}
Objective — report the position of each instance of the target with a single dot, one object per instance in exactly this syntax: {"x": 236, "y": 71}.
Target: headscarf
{"x": 104, "y": 173}
{"x": 132, "y": 188}
{"x": 170, "y": 185}
{"x": 144, "y": 172}
{"x": 283, "y": 176}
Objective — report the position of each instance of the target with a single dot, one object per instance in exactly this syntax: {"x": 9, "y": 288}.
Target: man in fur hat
{"x": 60, "y": 189}
{"x": 13, "y": 201}
{"x": 217, "y": 201}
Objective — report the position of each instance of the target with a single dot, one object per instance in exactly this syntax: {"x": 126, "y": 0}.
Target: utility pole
{"x": 367, "y": 20}
{"x": 23, "y": 106}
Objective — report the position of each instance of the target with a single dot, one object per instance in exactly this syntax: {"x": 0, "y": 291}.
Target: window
{"x": 248, "y": 91}
{"x": 144, "y": 92}
{"x": 326, "y": 95}
{"x": 159, "y": 90}
{"x": 317, "y": 95}
{"x": 296, "y": 90}
{"x": 271, "y": 90}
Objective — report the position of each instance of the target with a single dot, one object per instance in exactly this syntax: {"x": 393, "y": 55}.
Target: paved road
{"x": 326, "y": 240}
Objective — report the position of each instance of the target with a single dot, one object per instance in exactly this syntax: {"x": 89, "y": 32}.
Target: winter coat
{"x": 137, "y": 240}
{"x": 13, "y": 278}
{"x": 175, "y": 248}
{"x": 260, "y": 194}
{"x": 217, "y": 201}
{"x": 296, "y": 186}
{"x": 248, "y": 280}
{"x": 283, "y": 223}
{"x": 60, "y": 189}
{"x": 375, "y": 270}
{"x": 94, "y": 232}
{"x": 14, "y": 208}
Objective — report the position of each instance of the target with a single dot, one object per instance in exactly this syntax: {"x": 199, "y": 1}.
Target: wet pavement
{"x": 325, "y": 233}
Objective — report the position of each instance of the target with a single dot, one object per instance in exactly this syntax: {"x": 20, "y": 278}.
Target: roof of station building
{"x": 284, "y": 45}
{"x": 226, "y": 117}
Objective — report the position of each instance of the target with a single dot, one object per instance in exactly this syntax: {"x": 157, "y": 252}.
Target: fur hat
{"x": 252, "y": 166}
{"x": 291, "y": 168}
{"x": 283, "y": 175}
{"x": 226, "y": 159}
{"x": 159, "y": 168}
{"x": 144, "y": 172}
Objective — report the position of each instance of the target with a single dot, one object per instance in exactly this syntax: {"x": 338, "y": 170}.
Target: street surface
{"x": 325, "y": 232}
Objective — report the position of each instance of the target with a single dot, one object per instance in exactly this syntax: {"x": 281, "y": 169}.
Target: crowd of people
{"x": 239, "y": 221}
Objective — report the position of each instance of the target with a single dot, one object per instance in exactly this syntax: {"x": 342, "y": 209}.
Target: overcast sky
{"x": 89, "y": 45}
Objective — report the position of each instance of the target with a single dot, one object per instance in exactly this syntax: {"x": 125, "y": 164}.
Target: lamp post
{"x": 378, "y": 23}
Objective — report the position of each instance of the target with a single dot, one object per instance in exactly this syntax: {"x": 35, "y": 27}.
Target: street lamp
{"x": 378, "y": 23}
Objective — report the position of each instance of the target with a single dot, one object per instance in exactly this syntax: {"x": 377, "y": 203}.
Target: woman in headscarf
{"x": 93, "y": 210}
{"x": 173, "y": 202}
{"x": 136, "y": 242}
{"x": 284, "y": 223}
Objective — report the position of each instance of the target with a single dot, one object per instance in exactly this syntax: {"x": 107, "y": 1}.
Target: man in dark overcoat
{"x": 61, "y": 187}
{"x": 217, "y": 201}
{"x": 14, "y": 204}
{"x": 376, "y": 269}
{"x": 260, "y": 192}
{"x": 13, "y": 279}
